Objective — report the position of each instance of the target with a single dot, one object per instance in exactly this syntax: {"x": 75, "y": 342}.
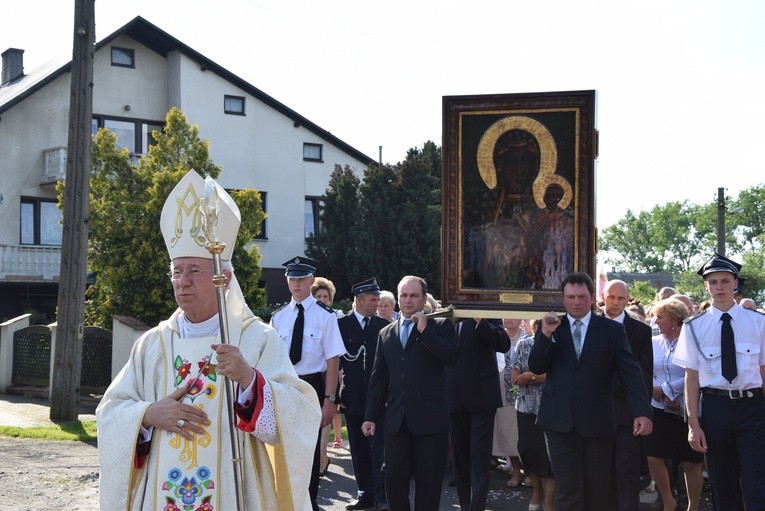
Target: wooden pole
{"x": 67, "y": 363}
{"x": 721, "y": 221}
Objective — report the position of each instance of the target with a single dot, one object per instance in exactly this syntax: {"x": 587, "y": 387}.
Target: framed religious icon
{"x": 518, "y": 198}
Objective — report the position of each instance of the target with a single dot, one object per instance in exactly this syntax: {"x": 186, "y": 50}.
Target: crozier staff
{"x": 163, "y": 427}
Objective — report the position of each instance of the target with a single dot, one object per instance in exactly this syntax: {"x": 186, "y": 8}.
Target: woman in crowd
{"x": 636, "y": 310}
{"x": 669, "y": 439}
{"x": 531, "y": 438}
{"x": 324, "y": 291}
{"x": 505, "y": 422}
{"x": 386, "y": 308}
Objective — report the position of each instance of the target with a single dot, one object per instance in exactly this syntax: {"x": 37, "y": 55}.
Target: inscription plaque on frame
{"x": 518, "y": 198}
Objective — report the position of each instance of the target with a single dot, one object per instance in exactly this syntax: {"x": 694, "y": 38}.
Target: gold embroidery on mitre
{"x": 185, "y": 211}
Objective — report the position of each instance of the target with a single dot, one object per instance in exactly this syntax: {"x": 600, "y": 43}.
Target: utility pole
{"x": 67, "y": 364}
{"x": 721, "y": 221}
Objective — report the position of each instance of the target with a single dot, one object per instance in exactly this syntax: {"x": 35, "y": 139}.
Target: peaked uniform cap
{"x": 719, "y": 263}
{"x": 367, "y": 286}
{"x": 300, "y": 267}
{"x": 182, "y": 219}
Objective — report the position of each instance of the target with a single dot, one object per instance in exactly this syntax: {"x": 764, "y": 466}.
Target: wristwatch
{"x": 331, "y": 397}
{"x": 533, "y": 377}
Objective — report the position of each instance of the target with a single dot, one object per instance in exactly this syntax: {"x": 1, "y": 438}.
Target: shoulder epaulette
{"x": 755, "y": 311}
{"x": 325, "y": 307}
{"x": 697, "y": 315}
{"x": 280, "y": 308}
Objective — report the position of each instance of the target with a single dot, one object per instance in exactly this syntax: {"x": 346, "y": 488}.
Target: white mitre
{"x": 181, "y": 219}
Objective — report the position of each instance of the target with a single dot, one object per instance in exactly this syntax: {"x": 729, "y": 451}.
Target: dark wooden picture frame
{"x": 518, "y": 198}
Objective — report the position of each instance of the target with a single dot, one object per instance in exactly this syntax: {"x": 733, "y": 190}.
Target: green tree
{"x": 750, "y": 219}
{"x": 126, "y": 251}
{"x": 678, "y": 237}
{"x": 376, "y": 234}
{"x": 334, "y": 245}
{"x": 417, "y": 213}
{"x": 643, "y": 291}
{"x": 754, "y": 272}
{"x": 667, "y": 239}
{"x": 387, "y": 227}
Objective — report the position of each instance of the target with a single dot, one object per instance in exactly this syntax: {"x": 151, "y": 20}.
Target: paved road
{"x": 337, "y": 489}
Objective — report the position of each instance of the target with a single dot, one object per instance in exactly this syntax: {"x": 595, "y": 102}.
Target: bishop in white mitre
{"x": 164, "y": 436}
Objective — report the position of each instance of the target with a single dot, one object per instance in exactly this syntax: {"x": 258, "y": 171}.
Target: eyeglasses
{"x": 189, "y": 274}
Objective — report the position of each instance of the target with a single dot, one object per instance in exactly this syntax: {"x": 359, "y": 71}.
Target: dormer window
{"x": 233, "y": 105}
{"x": 123, "y": 57}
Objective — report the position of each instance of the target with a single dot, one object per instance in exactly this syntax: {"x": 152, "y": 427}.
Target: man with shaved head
{"x": 625, "y": 493}
{"x": 686, "y": 300}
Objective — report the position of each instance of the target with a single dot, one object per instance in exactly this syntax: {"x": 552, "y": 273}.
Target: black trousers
{"x": 627, "y": 464}
{"x": 582, "y": 468}
{"x": 472, "y": 434}
{"x": 735, "y": 434}
{"x": 367, "y": 457}
{"x": 316, "y": 380}
{"x": 420, "y": 456}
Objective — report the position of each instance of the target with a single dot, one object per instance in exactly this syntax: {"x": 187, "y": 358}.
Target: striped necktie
{"x": 578, "y": 337}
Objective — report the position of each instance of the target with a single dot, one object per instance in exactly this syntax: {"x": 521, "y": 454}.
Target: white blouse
{"x": 667, "y": 375}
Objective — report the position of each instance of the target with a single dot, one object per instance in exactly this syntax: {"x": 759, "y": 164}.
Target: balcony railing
{"x": 29, "y": 262}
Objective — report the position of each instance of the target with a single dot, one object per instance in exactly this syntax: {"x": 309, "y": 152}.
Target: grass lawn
{"x": 72, "y": 431}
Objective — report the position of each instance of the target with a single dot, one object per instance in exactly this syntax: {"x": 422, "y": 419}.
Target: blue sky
{"x": 680, "y": 84}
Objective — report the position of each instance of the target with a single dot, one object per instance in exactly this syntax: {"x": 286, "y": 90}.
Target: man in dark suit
{"x": 580, "y": 353}
{"x": 628, "y": 448}
{"x": 473, "y": 396}
{"x": 359, "y": 330}
{"x": 408, "y": 384}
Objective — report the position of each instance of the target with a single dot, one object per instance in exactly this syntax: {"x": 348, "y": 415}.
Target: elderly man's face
{"x": 194, "y": 289}
{"x": 748, "y": 303}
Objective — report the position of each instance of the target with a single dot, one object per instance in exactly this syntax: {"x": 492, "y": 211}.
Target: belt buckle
{"x": 737, "y": 394}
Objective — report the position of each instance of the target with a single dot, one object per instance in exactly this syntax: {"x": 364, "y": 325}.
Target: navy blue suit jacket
{"x": 410, "y": 383}
{"x": 579, "y": 393}
{"x": 473, "y": 384}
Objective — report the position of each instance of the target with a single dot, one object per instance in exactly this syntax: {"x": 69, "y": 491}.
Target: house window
{"x": 312, "y": 152}
{"x": 125, "y": 131}
{"x": 133, "y": 134}
{"x": 311, "y": 216}
{"x": 41, "y": 222}
{"x": 147, "y": 139}
{"x": 123, "y": 57}
{"x": 233, "y": 105}
{"x": 262, "y": 234}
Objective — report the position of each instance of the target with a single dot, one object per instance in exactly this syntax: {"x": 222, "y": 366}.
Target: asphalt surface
{"x": 337, "y": 488}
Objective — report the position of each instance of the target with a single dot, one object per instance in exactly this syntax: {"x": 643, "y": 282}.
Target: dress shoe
{"x": 323, "y": 473}
{"x": 362, "y": 502}
{"x": 382, "y": 506}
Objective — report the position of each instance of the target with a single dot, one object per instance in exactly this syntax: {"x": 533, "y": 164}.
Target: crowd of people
{"x": 578, "y": 406}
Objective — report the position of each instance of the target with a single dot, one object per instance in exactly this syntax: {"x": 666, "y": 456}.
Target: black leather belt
{"x": 733, "y": 394}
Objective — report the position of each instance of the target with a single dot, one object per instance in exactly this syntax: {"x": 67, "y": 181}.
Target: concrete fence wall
{"x": 7, "y": 330}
